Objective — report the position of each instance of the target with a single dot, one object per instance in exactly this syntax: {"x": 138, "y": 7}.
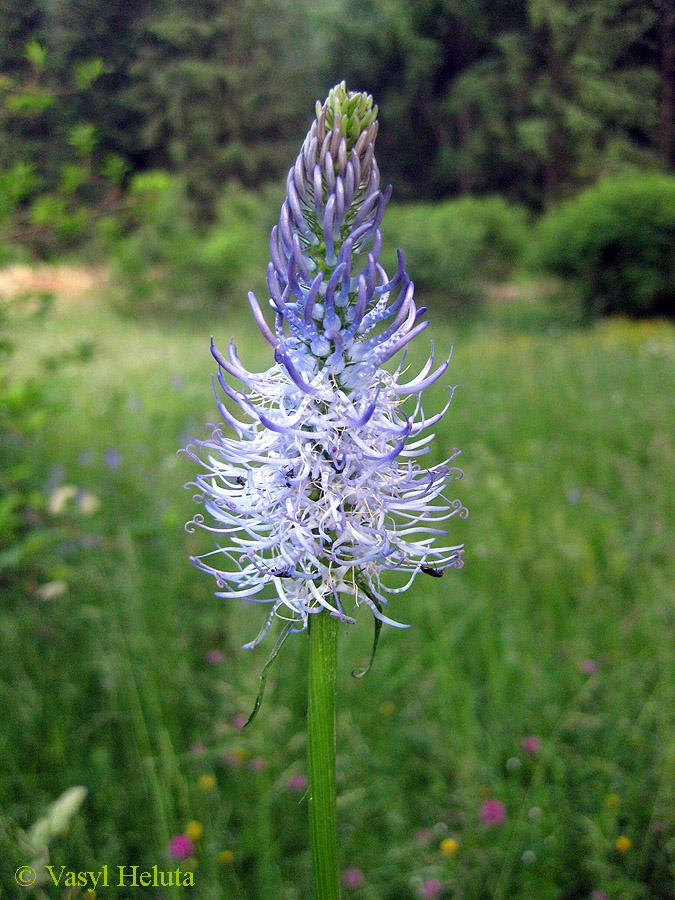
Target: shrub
{"x": 454, "y": 246}
{"x": 25, "y": 540}
{"x": 617, "y": 241}
{"x": 165, "y": 257}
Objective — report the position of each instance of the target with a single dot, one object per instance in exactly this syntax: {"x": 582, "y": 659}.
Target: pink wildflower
{"x": 181, "y": 846}
{"x": 297, "y": 783}
{"x": 492, "y": 812}
{"x": 531, "y": 744}
{"x": 352, "y": 878}
{"x": 431, "y": 889}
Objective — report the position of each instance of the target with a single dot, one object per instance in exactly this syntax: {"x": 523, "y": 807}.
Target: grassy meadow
{"x": 516, "y": 743}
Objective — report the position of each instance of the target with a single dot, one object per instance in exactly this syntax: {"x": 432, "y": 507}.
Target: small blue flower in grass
{"x": 317, "y": 493}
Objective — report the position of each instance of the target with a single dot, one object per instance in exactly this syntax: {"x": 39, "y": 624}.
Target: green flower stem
{"x": 321, "y": 755}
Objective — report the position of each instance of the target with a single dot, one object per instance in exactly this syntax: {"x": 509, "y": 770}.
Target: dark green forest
{"x": 534, "y": 99}
{"x": 158, "y": 136}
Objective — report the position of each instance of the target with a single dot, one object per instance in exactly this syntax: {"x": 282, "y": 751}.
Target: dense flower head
{"x": 318, "y": 492}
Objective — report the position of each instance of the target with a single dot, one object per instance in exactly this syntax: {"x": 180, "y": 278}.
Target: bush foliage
{"x": 617, "y": 241}
{"x": 164, "y": 255}
{"x": 453, "y": 247}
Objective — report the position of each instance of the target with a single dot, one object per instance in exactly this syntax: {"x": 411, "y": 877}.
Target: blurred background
{"x": 518, "y": 742}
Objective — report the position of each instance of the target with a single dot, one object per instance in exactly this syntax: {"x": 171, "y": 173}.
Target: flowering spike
{"x": 319, "y": 493}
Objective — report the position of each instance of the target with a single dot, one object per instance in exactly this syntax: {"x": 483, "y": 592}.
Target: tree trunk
{"x": 667, "y": 130}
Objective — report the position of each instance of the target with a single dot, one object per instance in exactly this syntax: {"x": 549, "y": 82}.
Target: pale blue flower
{"x": 316, "y": 490}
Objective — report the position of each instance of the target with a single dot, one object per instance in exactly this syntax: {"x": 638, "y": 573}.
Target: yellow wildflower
{"x": 449, "y": 847}
{"x": 194, "y": 830}
{"x": 623, "y": 844}
{"x": 206, "y": 782}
